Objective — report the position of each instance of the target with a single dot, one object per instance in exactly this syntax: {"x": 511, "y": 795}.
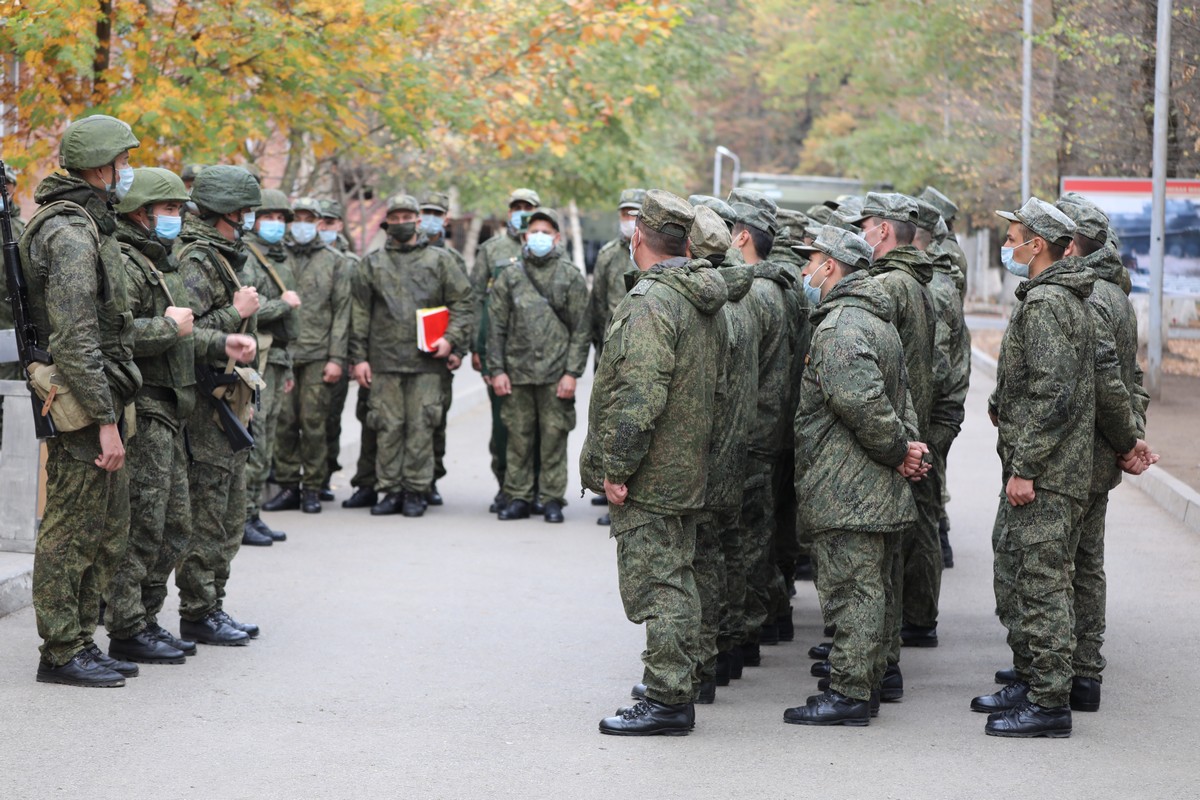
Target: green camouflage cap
{"x": 841, "y": 245}
{"x": 940, "y": 231}
{"x": 94, "y": 141}
{"x": 10, "y": 175}
{"x": 435, "y": 201}
{"x": 403, "y": 202}
{"x": 332, "y": 209}
{"x": 152, "y": 185}
{"x": 755, "y": 217}
{"x": 631, "y": 198}
{"x": 309, "y": 204}
{"x": 1089, "y": 219}
{"x": 723, "y": 209}
{"x": 849, "y": 206}
{"x": 943, "y": 204}
{"x": 666, "y": 213}
{"x": 792, "y": 225}
{"x": 190, "y": 171}
{"x": 224, "y": 188}
{"x": 885, "y": 205}
{"x": 1044, "y": 220}
{"x": 709, "y": 234}
{"x": 855, "y": 201}
{"x": 928, "y": 216}
{"x": 275, "y": 200}
{"x": 524, "y": 196}
{"x": 754, "y": 198}
{"x": 820, "y": 214}
{"x": 548, "y": 214}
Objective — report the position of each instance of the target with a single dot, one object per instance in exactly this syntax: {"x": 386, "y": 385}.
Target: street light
{"x": 737, "y": 168}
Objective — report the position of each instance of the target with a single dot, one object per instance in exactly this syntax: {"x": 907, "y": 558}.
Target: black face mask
{"x": 401, "y": 232}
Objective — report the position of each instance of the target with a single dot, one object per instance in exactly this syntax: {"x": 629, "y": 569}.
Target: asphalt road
{"x": 456, "y": 656}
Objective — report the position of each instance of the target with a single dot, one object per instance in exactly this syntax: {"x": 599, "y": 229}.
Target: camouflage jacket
{"x": 770, "y": 293}
{"x": 165, "y": 359}
{"x": 1115, "y": 315}
{"x": 654, "y": 387}
{"x": 539, "y": 329}
{"x": 1045, "y": 396}
{"x": 79, "y": 305}
{"x": 274, "y": 316}
{"x": 959, "y": 259}
{"x": 498, "y": 252}
{"x": 608, "y": 285}
{"x": 736, "y": 393}
{"x": 801, "y": 330}
{"x": 324, "y": 305}
{"x": 905, "y": 274}
{"x": 460, "y": 348}
{"x": 210, "y": 288}
{"x": 855, "y": 417}
{"x": 391, "y": 285}
{"x": 951, "y": 354}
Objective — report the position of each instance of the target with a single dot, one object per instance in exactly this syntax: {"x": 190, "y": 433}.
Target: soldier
{"x": 951, "y": 361}
{"x": 538, "y": 341}
{"x": 645, "y": 451}
{"x": 77, "y": 300}
{"x": 330, "y": 230}
{"x": 10, "y": 370}
{"x": 767, "y": 596}
{"x": 273, "y": 275}
{"x": 947, "y": 208}
{"x": 493, "y": 256}
{"x": 406, "y": 384}
{"x": 434, "y": 208}
{"x": 1046, "y": 407}
{"x": 855, "y": 447}
{"x": 150, "y": 220}
{"x": 318, "y": 361}
{"x": 225, "y": 306}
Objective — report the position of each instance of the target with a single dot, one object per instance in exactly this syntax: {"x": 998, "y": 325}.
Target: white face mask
{"x": 304, "y": 232}
{"x": 124, "y": 182}
{"x": 627, "y": 228}
{"x": 248, "y": 221}
{"x": 328, "y": 236}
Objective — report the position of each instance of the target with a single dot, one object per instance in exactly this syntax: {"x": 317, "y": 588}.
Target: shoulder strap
{"x": 542, "y": 294}
{"x": 266, "y": 264}
{"x": 148, "y": 266}
{"x": 62, "y": 207}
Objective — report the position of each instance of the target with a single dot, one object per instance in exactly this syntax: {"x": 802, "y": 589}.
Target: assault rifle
{"x": 18, "y": 294}
{"x": 208, "y": 382}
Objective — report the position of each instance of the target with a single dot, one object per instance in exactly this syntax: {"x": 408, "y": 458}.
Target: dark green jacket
{"x": 608, "y": 285}
{"x": 274, "y": 316}
{"x": 539, "y": 328}
{"x": 651, "y": 411}
{"x": 951, "y": 355}
{"x": 770, "y": 294}
{"x": 165, "y": 359}
{"x": 736, "y": 399}
{"x": 493, "y": 256}
{"x": 392, "y": 284}
{"x": 324, "y": 310}
{"x": 905, "y": 274}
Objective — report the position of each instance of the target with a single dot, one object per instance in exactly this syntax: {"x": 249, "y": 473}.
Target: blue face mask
{"x": 813, "y": 293}
{"x": 248, "y": 221}
{"x": 431, "y": 225}
{"x": 539, "y": 244}
{"x": 124, "y": 182}
{"x": 271, "y": 230}
{"x": 166, "y": 227}
{"x": 1015, "y": 267}
{"x": 328, "y": 237}
{"x": 516, "y": 220}
{"x": 304, "y": 232}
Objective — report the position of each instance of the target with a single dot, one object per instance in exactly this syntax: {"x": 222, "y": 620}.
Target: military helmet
{"x": 275, "y": 200}
{"x": 152, "y": 185}
{"x": 224, "y": 188}
{"x": 309, "y": 204}
{"x": 332, "y": 209}
{"x": 94, "y": 141}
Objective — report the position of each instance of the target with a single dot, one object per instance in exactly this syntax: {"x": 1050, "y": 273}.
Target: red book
{"x": 431, "y": 326}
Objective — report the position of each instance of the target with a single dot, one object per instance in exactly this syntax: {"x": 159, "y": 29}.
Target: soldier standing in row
{"x": 330, "y": 230}
{"x": 537, "y": 349}
{"x": 76, "y": 284}
{"x": 406, "y": 384}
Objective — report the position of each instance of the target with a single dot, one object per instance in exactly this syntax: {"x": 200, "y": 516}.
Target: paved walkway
{"x": 455, "y": 656}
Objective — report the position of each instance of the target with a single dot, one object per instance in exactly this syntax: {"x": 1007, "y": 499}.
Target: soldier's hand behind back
{"x": 183, "y": 318}
{"x": 112, "y": 449}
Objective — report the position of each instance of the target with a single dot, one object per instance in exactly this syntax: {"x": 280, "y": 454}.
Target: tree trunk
{"x": 101, "y": 59}
{"x": 471, "y": 244}
{"x": 295, "y": 160}
{"x": 576, "y": 238}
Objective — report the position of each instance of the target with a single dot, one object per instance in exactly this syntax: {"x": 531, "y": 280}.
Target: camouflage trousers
{"x": 300, "y": 438}
{"x": 217, "y": 488}
{"x": 538, "y": 424}
{"x": 787, "y": 542}
{"x": 338, "y": 393}
{"x": 921, "y": 556}
{"x": 1033, "y": 573}
{"x": 714, "y": 584}
{"x": 851, "y": 589}
{"x": 405, "y": 410}
{"x": 80, "y": 543}
{"x": 1091, "y": 589}
{"x": 764, "y": 581}
{"x": 439, "y": 435}
{"x": 498, "y": 442}
{"x": 265, "y": 429}
{"x": 658, "y": 588}
{"x": 364, "y": 472}
{"x": 159, "y": 527}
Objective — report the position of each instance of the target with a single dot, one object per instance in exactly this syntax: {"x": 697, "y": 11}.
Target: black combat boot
{"x": 830, "y": 708}
{"x": 605, "y": 520}
{"x": 751, "y": 655}
{"x": 363, "y": 497}
{"x": 787, "y": 628}
{"x": 892, "y": 687}
{"x": 144, "y": 648}
{"x": 1006, "y": 676}
{"x": 820, "y": 652}
{"x": 1085, "y": 694}
{"x": 253, "y": 537}
{"x": 916, "y": 636}
{"x": 600, "y": 500}
{"x": 819, "y": 669}
{"x": 706, "y": 694}
{"x": 326, "y": 493}
{"x": 433, "y": 496}
{"x": 267, "y": 530}
{"x": 499, "y": 503}
{"x": 517, "y": 509}
{"x": 553, "y": 512}
{"x": 310, "y": 501}
{"x": 81, "y": 670}
{"x": 538, "y": 507}
{"x": 1030, "y": 720}
{"x": 213, "y": 629}
{"x": 248, "y": 628}
{"x": 412, "y": 504}
{"x": 288, "y": 499}
{"x": 166, "y": 637}
{"x": 768, "y": 634}
{"x": 722, "y": 670}
{"x": 390, "y": 504}
{"x": 1010, "y": 696}
{"x": 651, "y": 718}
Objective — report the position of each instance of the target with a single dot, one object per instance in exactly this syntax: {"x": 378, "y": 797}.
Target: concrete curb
{"x": 16, "y": 582}
{"x": 1171, "y": 494}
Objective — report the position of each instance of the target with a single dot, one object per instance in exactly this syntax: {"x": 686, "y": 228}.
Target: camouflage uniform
{"x": 656, "y": 378}
{"x": 608, "y": 275}
{"x": 156, "y": 458}
{"x": 538, "y": 332}
{"x": 853, "y": 425}
{"x": 277, "y": 318}
{"x": 339, "y": 391}
{"x": 948, "y": 210}
{"x": 72, "y": 265}
{"x": 217, "y": 481}
{"x": 324, "y": 315}
{"x": 406, "y": 390}
{"x": 10, "y": 370}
